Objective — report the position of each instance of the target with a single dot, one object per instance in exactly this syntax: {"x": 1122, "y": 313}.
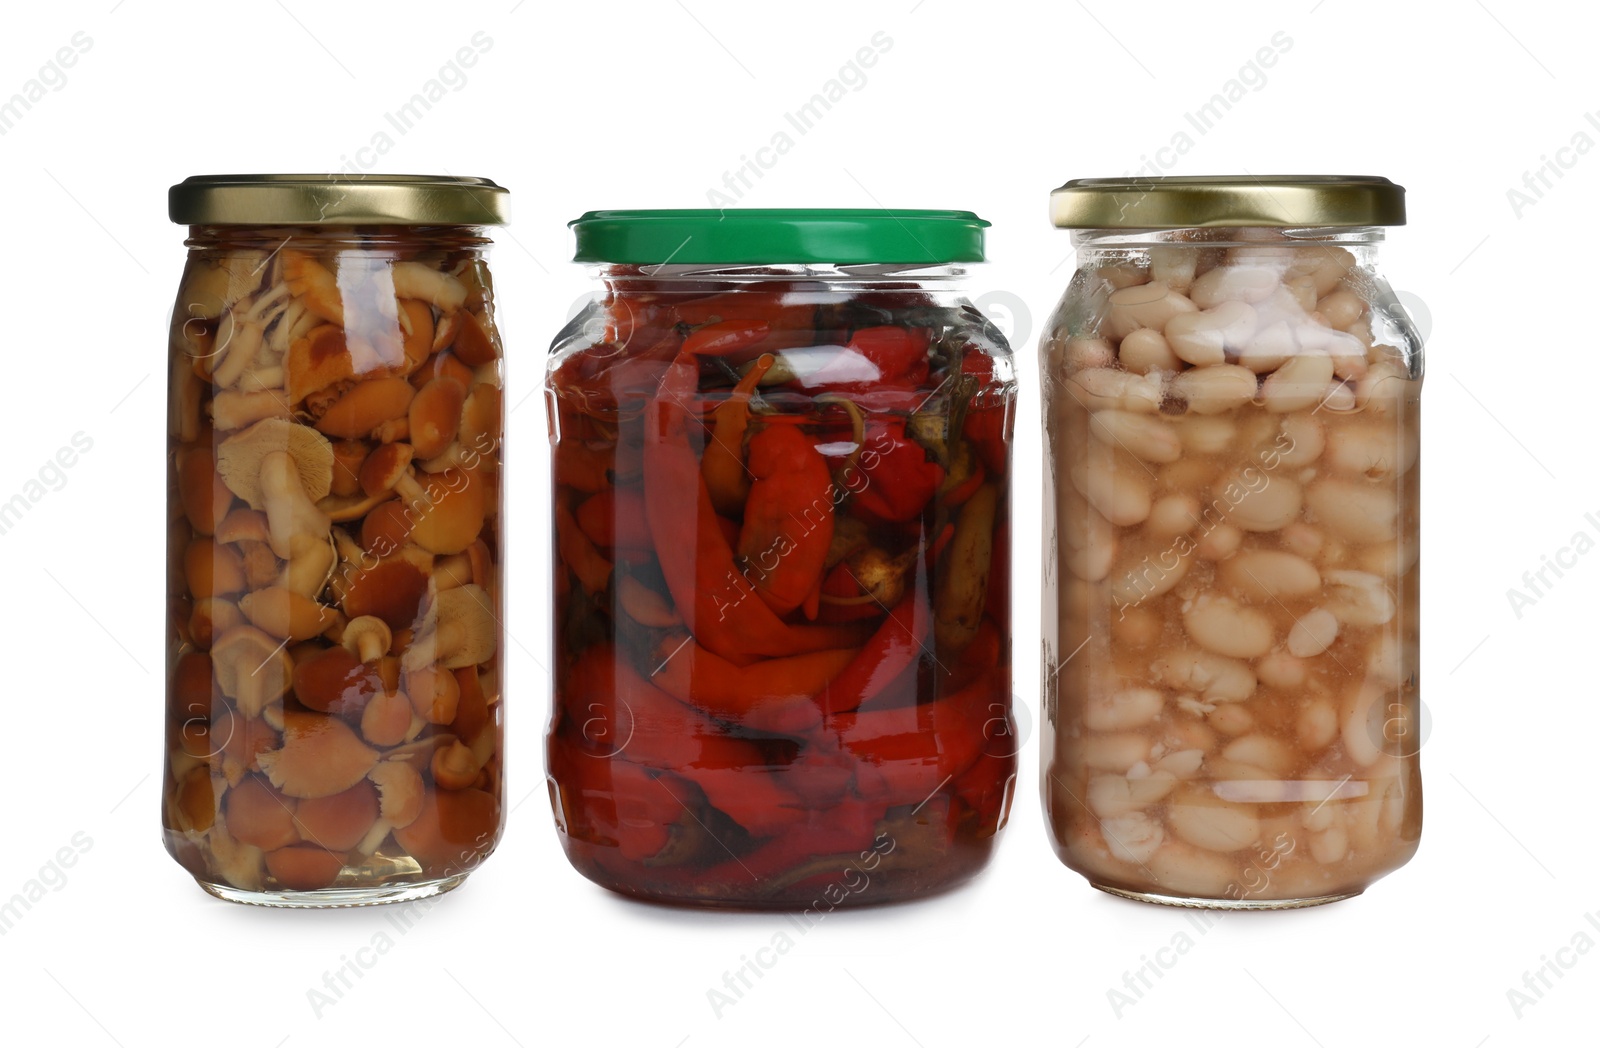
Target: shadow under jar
{"x": 1231, "y": 409}
{"x": 334, "y": 724}
{"x": 782, "y": 623}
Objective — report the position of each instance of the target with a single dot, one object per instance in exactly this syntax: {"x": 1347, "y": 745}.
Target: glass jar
{"x": 782, "y": 630}
{"x": 1231, "y": 396}
{"x": 334, "y": 724}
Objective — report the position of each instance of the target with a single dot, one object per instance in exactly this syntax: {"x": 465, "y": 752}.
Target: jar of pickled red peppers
{"x": 1231, "y": 396}
{"x": 334, "y": 722}
{"x": 781, "y": 449}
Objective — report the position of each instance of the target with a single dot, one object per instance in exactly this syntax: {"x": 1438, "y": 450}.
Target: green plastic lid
{"x": 757, "y": 236}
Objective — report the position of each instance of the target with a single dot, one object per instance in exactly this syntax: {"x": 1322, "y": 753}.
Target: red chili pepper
{"x": 722, "y": 463}
{"x": 897, "y": 477}
{"x": 788, "y": 518}
{"x": 883, "y": 658}
{"x": 728, "y": 336}
{"x": 716, "y": 601}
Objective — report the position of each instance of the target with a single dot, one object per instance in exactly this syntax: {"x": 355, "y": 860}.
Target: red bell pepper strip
{"x": 989, "y": 418}
{"x": 770, "y": 695}
{"x": 614, "y": 519}
{"x": 579, "y": 554}
{"x": 908, "y": 753}
{"x": 717, "y": 602}
{"x": 788, "y": 518}
{"x": 638, "y": 723}
{"x": 898, "y": 479}
{"x": 884, "y": 657}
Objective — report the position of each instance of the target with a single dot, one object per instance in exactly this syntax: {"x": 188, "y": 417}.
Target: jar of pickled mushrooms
{"x": 334, "y": 723}
{"x": 782, "y": 617}
{"x": 1230, "y": 399}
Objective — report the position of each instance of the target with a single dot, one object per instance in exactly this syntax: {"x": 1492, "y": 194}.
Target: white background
{"x": 986, "y": 107}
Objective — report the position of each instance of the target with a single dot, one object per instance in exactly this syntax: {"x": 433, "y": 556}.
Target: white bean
{"x": 1115, "y": 753}
{"x": 1081, "y": 353}
{"x": 1358, "y": 598}
{"x": 1341, "y": 308}
{"x": 1354, "y": 511}
{"x": 1112, "y": 795}
{"x": 1376, "y": 450}
{"x": 1205, "y": 338}
{"x": 1134, "y": 837}
{"x": 1217, "y": 678}
{"x": 1263, "y": 751}
{"x": 1121, "y": 710}
{"x": 1258, "y": 501}
{"x": 1269, "y": 347}
{"x": 1279, "y": 669}
{"x": 1205, "y": 434}
{"x": 1317, "y": 724}
{"x": 1313, "y": 633}
{"x": 1384, "y": 388}
{"x": 1096, "y": 388}
{"x": 1215, "y": 389}
{"x": 1174, "y": 265}
{"x": 1300, "y": 383}
{"x": 1270, "y": 574}
{"x": 1145, "y": 436}
{"x": 1143, "y": 305}
{"x": 1206, "y": 821}
{"x": 1146, "y": 350}
{"x": 1179, "y": 869}
{"x": 1223, "y": 625}
{"x": 1330, "y": 846}
{"x": 1119, "y": 490}
{"x": 1148, "y": 577}
{"x": 1304, "y": 438}
{"x": 1172, "y": 516}
{"x": 1219, "y": 543}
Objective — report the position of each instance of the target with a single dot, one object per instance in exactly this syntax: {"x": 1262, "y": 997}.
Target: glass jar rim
{"x": 756, "y": 236}
{"x": 337, "y": 200}
{"x": 1208, "y": 201}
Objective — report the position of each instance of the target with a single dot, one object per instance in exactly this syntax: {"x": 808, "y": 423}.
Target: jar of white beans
{"x": 1231, "y": 402}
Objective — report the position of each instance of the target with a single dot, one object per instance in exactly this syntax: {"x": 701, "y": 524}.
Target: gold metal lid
{"x": 1201, "y": 201}
{"x": 336, "y": 200}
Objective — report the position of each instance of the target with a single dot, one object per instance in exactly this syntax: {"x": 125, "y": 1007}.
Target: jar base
{"x": 335, "y": 898}
{"x": 1225, "y": 904}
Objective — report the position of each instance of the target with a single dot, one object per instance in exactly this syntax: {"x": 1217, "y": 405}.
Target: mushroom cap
{"x": 384, "y": 467}
{"x": 320, "y": 757}
{"x": 245, "y": 653}
{"x": 467, "y": 632}
{"x": 400, "y": 791}
{"x": 239, "y": 458}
